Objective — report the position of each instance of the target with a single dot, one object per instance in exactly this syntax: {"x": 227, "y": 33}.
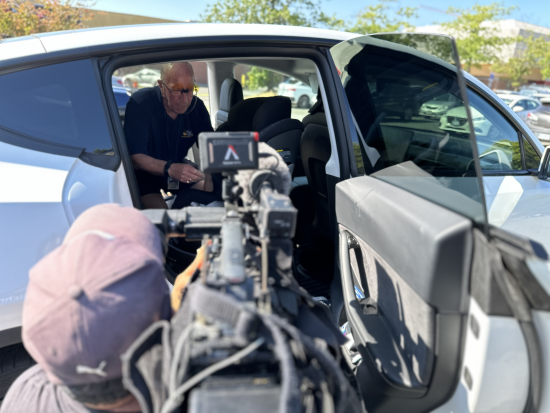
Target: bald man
{"x": 161, "y": 124}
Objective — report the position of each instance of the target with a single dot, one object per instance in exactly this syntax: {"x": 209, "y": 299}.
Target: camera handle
{"x": 231, "y": 191}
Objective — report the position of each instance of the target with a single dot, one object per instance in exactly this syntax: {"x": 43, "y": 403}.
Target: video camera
{"x": 236, "y": 343}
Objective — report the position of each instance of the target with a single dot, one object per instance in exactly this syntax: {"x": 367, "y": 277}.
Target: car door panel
{"x": 32, "y": 219}
{"x": 416, "y": 260}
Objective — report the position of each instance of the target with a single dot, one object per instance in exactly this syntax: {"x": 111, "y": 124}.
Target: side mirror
{"x": 518, "y": 109}
{"x": 544, "y": 171}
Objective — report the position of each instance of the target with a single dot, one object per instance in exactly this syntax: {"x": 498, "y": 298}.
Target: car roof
{"x": 65, "y": 41}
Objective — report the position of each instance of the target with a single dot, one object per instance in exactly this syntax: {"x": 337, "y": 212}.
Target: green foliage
{"x": 258, "y": 78}
{"x": 21, "y": 18}
{"x": 534, "y": 51}
{"x": 282, "y": 12}
{"x": 358, "y": 159}
{"x": 477, "y": 34}
{"x": 376, "y": 18}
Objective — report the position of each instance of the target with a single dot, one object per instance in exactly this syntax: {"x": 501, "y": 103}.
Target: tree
{"x": 529, "y": 57}
{"x": 22, "y": 17}
{"x": 304, "y": 13}
{"x": 375, "y": 19}
{"x": 477, "y": 34}
{"x": 281, "y": 12}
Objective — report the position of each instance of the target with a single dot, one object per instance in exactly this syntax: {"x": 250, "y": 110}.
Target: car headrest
{"x": 231, "y": 93}
{"x": 273, "y": 110}
{"x": 241, "y": 115}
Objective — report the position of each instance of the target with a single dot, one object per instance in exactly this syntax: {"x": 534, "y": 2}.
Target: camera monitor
{"x": 228, "y": 151}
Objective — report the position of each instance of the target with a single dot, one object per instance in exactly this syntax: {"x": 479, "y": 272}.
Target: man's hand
{"x": 185, "y": 173}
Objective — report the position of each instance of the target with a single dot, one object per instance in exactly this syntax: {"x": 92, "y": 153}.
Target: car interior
{"x": 302, "y": 139}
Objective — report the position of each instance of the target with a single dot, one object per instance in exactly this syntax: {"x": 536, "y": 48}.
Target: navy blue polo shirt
{"x": 150, "y": 131}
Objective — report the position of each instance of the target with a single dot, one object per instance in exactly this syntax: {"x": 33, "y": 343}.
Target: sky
{"x": 429, "y": 11}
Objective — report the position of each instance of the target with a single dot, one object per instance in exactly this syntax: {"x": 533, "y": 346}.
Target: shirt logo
{"x": 231, "y": 153}
{"x": 187, "y": 134}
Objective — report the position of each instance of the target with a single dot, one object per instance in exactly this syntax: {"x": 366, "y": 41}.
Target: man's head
{"x": 175, "y": 77}
{"x": 90, "y": 298}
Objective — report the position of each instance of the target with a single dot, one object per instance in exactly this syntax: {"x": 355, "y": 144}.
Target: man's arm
{"x": 179, "y": 171}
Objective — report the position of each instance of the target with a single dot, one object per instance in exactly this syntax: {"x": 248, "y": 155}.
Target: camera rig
{"x": 234, "y": 344}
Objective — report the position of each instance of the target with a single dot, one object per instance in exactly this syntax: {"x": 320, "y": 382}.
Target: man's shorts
{"x": 152, "y": 184}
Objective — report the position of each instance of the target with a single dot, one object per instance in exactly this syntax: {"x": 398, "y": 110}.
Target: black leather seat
{"x": 270, "y": 117}
{"x": 315, "y": 152}
{"x": 230, "y": 94}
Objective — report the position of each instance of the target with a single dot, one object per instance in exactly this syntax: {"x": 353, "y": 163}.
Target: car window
{"x": 531, "y": 104}
{"x": 57, "y": 103}
{"x": 497, "y": 140}
{"x": 412, "y": 125}
{"x": 532, "y": 158}
{"x": 259, "y": 82}
{"x": 507, "y": 101}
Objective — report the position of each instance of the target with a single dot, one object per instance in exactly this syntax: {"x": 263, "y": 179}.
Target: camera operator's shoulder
{"x": 33, "y": 392}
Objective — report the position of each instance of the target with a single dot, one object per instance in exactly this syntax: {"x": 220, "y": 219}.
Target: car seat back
{"x": 230, "y": 94}
{"x": 315, "y": 152}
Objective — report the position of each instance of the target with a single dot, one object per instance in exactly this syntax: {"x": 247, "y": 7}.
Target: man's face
{"x": 176, "y": 101}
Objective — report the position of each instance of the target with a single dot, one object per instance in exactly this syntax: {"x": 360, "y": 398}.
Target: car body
{"x": 428, "y": 238}
{"x": 438, "y": 106}
{"x": 520, "y": 104}
{"x": 539, "y": 123}
{"x": 299, "y": 93}
{"x": 142, "y": 78}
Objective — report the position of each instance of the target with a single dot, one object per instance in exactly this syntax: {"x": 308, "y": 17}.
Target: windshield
{"x": 412, "y": 118}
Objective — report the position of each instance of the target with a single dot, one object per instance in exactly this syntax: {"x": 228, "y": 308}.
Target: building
{"x": 506, "y": 28}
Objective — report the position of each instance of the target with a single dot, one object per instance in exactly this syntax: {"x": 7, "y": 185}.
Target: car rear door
{"x": 56, "y": 160}
{"x": 440, "y": 308}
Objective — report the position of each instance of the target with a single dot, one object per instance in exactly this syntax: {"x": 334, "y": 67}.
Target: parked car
{"x": 299, "y": 93}
{"x": 117, "y": 81}
{"x": 521, "y": 104}
{"x": 456, "y": 120}
{"x": 506, "y": 92}
{"x": 448, "y": 306}
{"x": 436, "y": 107}
{"x": 539, "y": 123}
{"x": 142, "y": 78}
{"x": 122, "y": 96}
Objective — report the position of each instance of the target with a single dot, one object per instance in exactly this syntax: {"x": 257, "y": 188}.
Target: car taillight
{"x": 532, "y": 116}
{"x": 291, "y": 90}
{"x": 135, "y": 84}
{"x": 120, "y": 81}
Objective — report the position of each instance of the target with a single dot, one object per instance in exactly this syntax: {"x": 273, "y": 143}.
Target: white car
{"x": 438, "y": 106}
{"x": 417, "y": 246}
{"x": 456, "y": 120}
{"x": 520, "y": 104}
{"x": 142, "y": 78}
{"x": 299, "y": 93}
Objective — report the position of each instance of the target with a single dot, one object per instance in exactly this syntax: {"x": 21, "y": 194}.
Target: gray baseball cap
{"x": 90, "y": 298}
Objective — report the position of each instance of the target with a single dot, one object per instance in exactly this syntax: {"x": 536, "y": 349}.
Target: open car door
{"x": 442, "y": 311}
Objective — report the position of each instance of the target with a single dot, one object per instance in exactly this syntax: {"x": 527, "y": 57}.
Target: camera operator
{"x": 86, "y": 302}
